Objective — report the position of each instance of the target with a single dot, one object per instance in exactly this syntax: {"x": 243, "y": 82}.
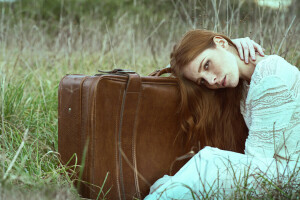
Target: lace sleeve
{"x": 276, "y": 65}
{"x": 271, "y": 107}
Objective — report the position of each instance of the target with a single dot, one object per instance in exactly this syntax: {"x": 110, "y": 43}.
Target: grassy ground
{"x": 34, "y": 59}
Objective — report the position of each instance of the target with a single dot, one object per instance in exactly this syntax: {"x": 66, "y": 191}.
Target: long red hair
{"x": 210, "y": 116}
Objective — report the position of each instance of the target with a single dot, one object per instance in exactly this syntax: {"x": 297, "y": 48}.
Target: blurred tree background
{"x": 75, "y": 19}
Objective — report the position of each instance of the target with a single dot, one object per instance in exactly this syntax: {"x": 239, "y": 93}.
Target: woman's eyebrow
{"x": 200, "y": 65}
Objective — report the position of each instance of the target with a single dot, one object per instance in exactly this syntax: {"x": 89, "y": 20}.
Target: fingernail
{"x": 253, "y": 58}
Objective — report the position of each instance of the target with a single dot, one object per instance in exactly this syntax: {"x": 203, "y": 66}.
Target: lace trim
{"x": 273, "y": 101}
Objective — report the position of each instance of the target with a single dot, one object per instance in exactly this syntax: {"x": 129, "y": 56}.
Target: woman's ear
{"x": 220, "y": 42}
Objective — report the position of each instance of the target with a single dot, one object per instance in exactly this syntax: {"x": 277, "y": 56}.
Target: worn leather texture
{"x": 128, "y": 125}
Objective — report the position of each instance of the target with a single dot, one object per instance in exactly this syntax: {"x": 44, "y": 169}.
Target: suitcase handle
{"x": 117, "y": 71}
{"x": 160, "y": 72}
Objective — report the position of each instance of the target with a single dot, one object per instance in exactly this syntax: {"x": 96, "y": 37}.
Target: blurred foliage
{"x": 53, "y": 14}
{"x": 75, "y": 21}
{"x": 64, "y": 11}
{"x": 56, "y": 10}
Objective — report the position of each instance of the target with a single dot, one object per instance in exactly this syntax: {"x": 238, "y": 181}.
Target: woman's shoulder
{"x": 275, "y": 66}
{"x": 272, "y": 78}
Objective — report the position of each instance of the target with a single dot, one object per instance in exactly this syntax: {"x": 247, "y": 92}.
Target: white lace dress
{"x": 271, "y": 109}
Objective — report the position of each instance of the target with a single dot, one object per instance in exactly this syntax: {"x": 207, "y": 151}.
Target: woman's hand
{"x": 246, "y": 46}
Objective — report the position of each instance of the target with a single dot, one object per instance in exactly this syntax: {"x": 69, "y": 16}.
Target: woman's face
{"x": 214, "y": 68}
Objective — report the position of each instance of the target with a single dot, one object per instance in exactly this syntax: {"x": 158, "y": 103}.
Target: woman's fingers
{"x": 246, "y": 50}
{"x": 259, "y": 49}
{"x": 251, "y": 49}
{"x": 247, "y": 47}
{"x": 239, "y": 47}
{"x": 237, "y": 43}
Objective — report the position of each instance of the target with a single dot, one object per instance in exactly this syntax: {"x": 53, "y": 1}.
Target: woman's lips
{"x": 224, "y": 82}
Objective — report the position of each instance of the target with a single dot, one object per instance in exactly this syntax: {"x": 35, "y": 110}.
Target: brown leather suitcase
{"x": 128, "y": 125}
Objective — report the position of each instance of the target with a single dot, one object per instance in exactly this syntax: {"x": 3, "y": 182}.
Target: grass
{"x": 34, "y": 59}
{"x": 241, "y": 179}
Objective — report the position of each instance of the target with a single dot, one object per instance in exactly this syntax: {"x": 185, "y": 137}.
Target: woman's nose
{"x": 211, "y": 79}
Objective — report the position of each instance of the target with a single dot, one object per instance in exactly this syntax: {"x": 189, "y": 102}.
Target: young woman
{"x": 214, "y": 82}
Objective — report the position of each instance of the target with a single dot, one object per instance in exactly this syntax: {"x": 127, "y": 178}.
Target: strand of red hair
{"x": 210, "y": 116}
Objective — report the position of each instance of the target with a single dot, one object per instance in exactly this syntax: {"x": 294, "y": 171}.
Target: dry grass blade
{"x": 16, "y": 155}
{"x": 285, "y": 35}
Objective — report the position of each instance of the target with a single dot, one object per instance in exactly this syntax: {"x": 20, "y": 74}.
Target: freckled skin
{"x": 223, "y": 60}
{"x": 221, "y": 63}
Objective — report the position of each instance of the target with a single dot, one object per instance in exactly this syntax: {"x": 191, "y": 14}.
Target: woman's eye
{"x": 206, "y": 65}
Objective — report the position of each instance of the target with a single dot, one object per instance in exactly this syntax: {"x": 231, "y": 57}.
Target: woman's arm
{"x": 273, "y": 106}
